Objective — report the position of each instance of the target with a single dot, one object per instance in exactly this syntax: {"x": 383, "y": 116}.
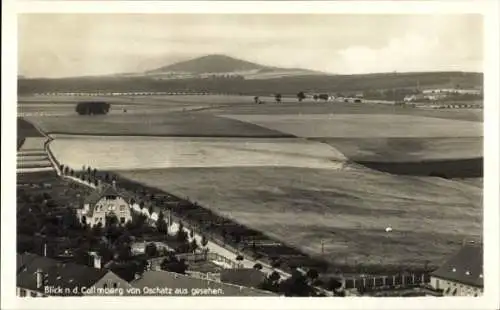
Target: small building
{"x": 139, "y": 248}
{"x": 462, "y": 274}
{"x": 104, "y": 202}
{"x": 40, "y": 276}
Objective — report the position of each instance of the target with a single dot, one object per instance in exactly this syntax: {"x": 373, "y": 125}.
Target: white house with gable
{"x": 105, "y": 202}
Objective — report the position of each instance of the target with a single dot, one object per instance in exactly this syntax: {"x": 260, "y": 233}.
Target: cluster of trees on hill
{"x": 92, "y": 108}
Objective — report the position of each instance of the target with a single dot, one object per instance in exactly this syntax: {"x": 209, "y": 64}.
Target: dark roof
{"x": 57, "y": 274}
{"x": 242, "y": 276}
{"x": 464, "y": 267}
{"x": 23, "y": 260}
{"x": 106, "y": 190}
{"x": 161, "y": 279}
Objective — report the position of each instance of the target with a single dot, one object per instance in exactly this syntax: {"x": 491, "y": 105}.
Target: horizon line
{"x": 326, "y": 74}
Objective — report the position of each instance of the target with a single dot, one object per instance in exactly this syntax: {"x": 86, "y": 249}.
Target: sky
{"x": 61, "y": 45}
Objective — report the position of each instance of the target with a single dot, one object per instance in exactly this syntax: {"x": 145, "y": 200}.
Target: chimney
{"x": 39, "y": 278}
{"x": 114, "y": 184}
{"x": 97, "y": 261}
{"x": 45, "y": 249}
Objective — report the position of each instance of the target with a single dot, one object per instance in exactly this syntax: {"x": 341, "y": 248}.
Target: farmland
{"x": 363, "y": 125}
{"x": 393, "y": 150}
{"x": 31, "y": 154}
{"x": 171, "y": 124}
{"x": 166, "y": 152}
{"x": 347, "y": 209}
{"x": 291, "y": 170}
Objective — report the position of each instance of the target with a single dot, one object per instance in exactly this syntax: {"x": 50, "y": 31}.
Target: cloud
{"x": 409, "y": 53}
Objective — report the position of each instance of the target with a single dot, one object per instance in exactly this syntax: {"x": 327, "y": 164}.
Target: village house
{"x": 40, "y": 276}
{"x": 462, "y": 274}
{"x": 103, "y": 202}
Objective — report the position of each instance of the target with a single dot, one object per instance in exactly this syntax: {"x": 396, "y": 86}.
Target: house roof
{"x": 57, "y": 274}
{"x": 242, "y": 276}
{"x": 23, "y": 260}
{"x": 106, "y": 190}
{"x": 96, "y": 195}
{"x": 464, "y": 267}
{"x": 162, "y": 279}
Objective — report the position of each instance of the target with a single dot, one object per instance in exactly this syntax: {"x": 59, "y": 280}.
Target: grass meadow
{"x": 347, "y": 210}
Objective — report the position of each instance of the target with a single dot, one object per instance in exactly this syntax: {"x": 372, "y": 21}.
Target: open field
{"x": 349, "y": 210}
{"x": 33, "y": 144}
{"x": 68, "y": 110}
{"x": 42, "y": 106}
{"x": 31, "y": 156}
{"x": 407, "y": 149}
{"x": 101, "y": 152}
{"x": 26, "y": 129}
{"x": 292, "y": 107}
{"x": 363, "y": 125}
{"x": 445, "y": 168}
{"x": 168, "y": 124}
{"x": 168, "y": 119}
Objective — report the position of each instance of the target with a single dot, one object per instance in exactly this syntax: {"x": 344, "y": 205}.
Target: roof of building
{"x": 242, "y": 276}
{"x": 56, "y": 274}
{"x": 106, "y": 190}
{"x": 464, "y": 267}
{"x": 23, "y": 259}
{"x": 162, "y": 279}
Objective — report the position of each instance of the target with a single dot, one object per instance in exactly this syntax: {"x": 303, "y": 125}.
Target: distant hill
{"x": 210, "y": 64}
{"x": 213, "y": 66}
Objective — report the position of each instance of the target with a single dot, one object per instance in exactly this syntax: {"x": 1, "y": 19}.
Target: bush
{"x": 92, "y": 108}
{"x": 257, "y": 266}
{"x": 151, "y": 250}
{"x": 174, "y": 265}
{"x": 204, "y": 241}
{"x": 312, "y": 274}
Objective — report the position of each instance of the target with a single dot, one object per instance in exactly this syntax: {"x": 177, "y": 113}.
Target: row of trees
{"x": 300, "y": 97}
{"x": 87, "y": 174}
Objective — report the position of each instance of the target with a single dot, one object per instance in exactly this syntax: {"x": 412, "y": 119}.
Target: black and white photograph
{"x": 329, "y": 155}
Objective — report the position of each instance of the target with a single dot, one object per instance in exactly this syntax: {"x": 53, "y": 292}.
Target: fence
{"x": 385, "y": 281}
{"x": 197, "y": 93}
{"x": 205, "y": 276}
{"x": 459, "y": 106}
